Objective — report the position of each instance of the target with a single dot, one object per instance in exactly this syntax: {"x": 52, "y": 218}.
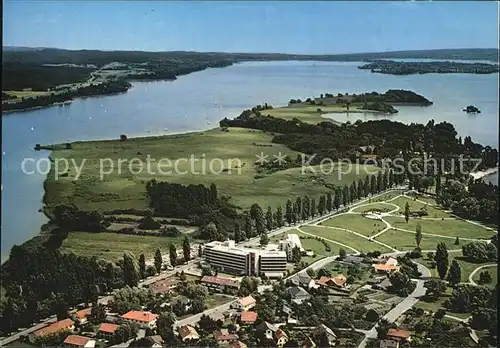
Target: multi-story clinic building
{"x": 229, "y": 258}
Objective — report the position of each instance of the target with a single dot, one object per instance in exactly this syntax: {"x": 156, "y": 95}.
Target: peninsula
{"x": 437, "y": 67}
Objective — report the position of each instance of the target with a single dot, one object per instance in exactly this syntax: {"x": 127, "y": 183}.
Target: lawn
{"x": 346, "y": 238}
{"x": 386, "y": 196}
{"x": 433, "y": 212}
{"x": 494, "y": 276}
{"x": 406, "y": 241}
{"x": 438, "y": 304}
{"x": 466, "y": 267}
{"x": 215, "y": 300}
{"x": 454, "y": 228}
{"x": 235, "y": 152}
{"x": 307, "y": 113}
{"x": 356, "y": 223}
{"x": 382, "y": 207}
{"x": 111, "y": 246}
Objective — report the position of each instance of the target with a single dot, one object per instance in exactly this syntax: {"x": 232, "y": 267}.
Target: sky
{"x": 284, "y": 27}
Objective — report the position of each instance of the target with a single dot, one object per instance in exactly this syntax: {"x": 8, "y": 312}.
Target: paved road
{"x": 404, "y": 305}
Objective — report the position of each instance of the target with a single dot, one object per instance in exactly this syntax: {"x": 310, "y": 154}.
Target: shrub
{"x": 123, "y": 137}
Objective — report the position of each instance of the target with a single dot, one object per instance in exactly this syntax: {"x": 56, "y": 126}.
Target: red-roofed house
{"x": 248, "y": 317}
{"x": 107, "y": 330}
{"x": 219, "y": 284}
{"x": 78, "y": 341}
{"x": 81, "y": 316}
{"x": 385, "y": 268}
{"x": 188, "y": 333}
{"x": 144, "y": 319}
{"x": 245, "y": 303}
{"x": 162, "y": 286}
{"x": 223, "y": 336}
{"x": 398, "y": 335}
{"x": 237, "y": 344}
{"x": 66, "y": 324}
{"x": 280, "y": 337}
{"x": 339, "y": 281}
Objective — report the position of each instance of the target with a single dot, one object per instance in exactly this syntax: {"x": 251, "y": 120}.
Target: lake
{"x": 200, "y": 100}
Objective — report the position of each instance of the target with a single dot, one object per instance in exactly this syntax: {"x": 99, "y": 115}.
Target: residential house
{"x": 355, "y": 260}
{"x": 248, "y": 317}
{"x": 188, "y": 333}
{"x": 280, "y": 338}
{"x": 156, "y": 341}
{"x": 287, "y": 311}
{"x": 391, "y": 261}
{"x": 107, "y": 330}
{"x": 81, "y": 316}
{"x": 381, "y": 268}
{"x": 162, "y": 286}
{"x": 398, "y": 335}
{"x": 245, "y": 303}
{"x": 339, "y": 281}
{"x": 303, "y": 280}
{"x": 66, "y": 324}
{"x": 298, "y": 294}
{"x": 328, "y": 333}
{"x": 144, "y": 319}
{"x": 223, "y": 337}
{"x": 383, "y": 285}
{"x": 219, "y": 284}
{"x": 266, "y": 330}
{"x": 389, "y": 344}
{"x": 78, "y": 341}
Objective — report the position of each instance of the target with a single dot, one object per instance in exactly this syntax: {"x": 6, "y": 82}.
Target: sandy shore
{"x": 482, "y": 173}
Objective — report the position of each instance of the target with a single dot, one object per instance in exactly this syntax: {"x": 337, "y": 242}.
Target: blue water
{"x": 200, "y": 100}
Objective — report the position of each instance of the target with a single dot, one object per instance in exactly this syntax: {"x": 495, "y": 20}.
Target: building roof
{"x": 388, "y": 344}
{"x": 264, "y": 326}
{"x": 297, "y": 291}
{"x": 156, "y": 339}
{"x": 57, "y": 326}
{"x": 247, "y": 301}
{"x": 248, "y": 316}
{"x": 326, "y": 330}
{"x": 302, "y": 279}
{"x": 108, "y": 328}
{"x": 391, "y": 261}
{"x": 220, "y": 281}
{"x": 161, "y": 286}
{"x": 224, "y": 335}
{"x": 339, "y": 280}
{"x": 398, "y": 333}
{"x": 83, "y": 313}
{"x": 280, "y": 333}
{"x": 76, "y": 340}
{"x": 146, "y": 317}
{"x": 323, "y": 281}
{"x": 187, "y": 330}
{"x": 386, "y": 268}
{"x": 384, "y": 284}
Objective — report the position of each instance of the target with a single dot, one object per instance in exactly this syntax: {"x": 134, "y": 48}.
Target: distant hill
{"x": 60, "y": 56}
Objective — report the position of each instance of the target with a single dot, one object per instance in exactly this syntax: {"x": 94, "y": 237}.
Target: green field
{"x": 237, "y": 149}
{"x": 356, "y": 223}
{"x": 346, "y": 238}
{"x": 406, "y": 241}
{"x": 494, "y": 276}
{"x": 111, "y": 246}
{"x": 308, "y": 113}
{"x": 416, "y": 206}
{"x": 454, "y": 228}
{"x": 386, "y": 196}
{"x": 383, "y": 207}
{"x": 466, "y": 267}
{"x": 438, "y": 304}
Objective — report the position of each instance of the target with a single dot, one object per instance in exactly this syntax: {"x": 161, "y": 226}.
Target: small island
{"x": 471, "y": 109}
{"x": 437, "y": 67}
{"x": 364, "y": 102}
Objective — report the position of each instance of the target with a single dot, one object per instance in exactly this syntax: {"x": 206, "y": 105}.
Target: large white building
{"x": 291, "y": 241}
{"x": 229, "y": 258}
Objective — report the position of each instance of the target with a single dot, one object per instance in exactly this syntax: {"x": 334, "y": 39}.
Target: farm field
{"x": 111, "y": 246}
{"x": 234, "y": 174}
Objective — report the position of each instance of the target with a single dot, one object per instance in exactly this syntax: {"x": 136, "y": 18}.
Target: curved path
{"x": 473, "y": 273}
